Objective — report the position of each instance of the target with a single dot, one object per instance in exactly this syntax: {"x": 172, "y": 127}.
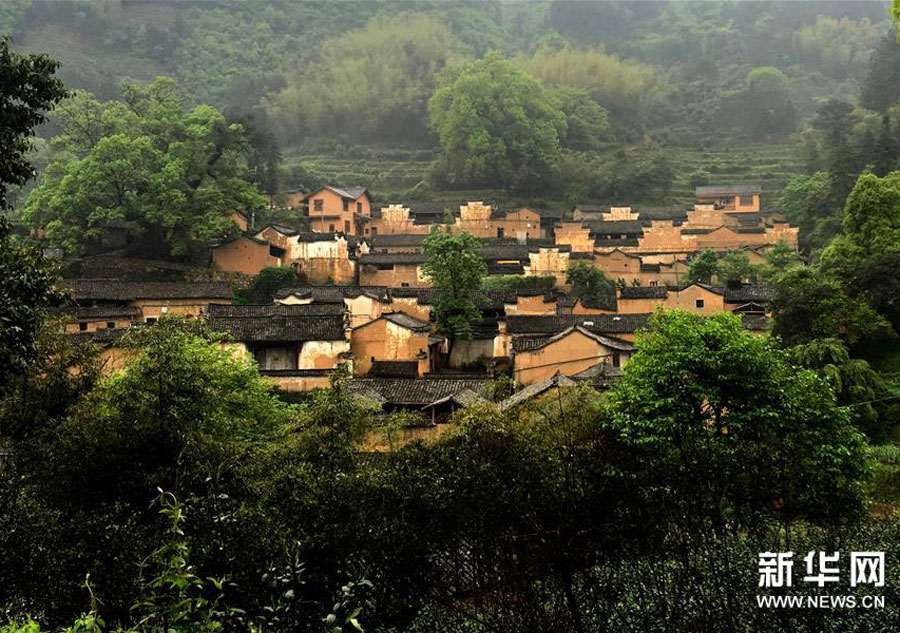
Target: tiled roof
{"x": 592, "y": 208}
{"x": 484, "y": 299}
{"x": 750, "y": 229}
{"x": 279, "y": 323}
{"x": 604, "y": 243}
{"x": 536, "y": 389}
{"x": 757, "y": 322}
{"x": 726, "y": 190}
{"x": 398, "y": 239}
{"x": 394, "y": 369}
{"x": 410, "y": 323}
{"x": 614, "y": 227}
{"x": 117, "y": 290}
{"x": 332, "y": 294}
{"x": 391, "y": 258}
{"x": 746, "y": 294}
{"x": 602, "y": 302}
{"x": 284, "y": 230}
{"x": 421, "y": 391}
{"x": 104, "y": 337}
{"x": 695, "y": 231}
{"x": 643, "y": 292}
{"x": 599, "y": 323}
{"x": 647, "y": 214}
{"x": 347, "y": 192}
{"x": 99, "y": 312}
{"x": 575, "y": 327}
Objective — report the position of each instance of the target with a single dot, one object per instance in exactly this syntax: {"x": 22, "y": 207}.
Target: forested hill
{"x": 350, "y": 81}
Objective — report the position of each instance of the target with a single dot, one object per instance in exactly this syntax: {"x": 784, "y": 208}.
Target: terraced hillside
{"x": 394, "y": 173}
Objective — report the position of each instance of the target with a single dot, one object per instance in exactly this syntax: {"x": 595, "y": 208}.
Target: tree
{"x": 872, "y": 214}
{"x": 270, "y": 280}
{"x": 881, "y": 88}
{"x": 856, "y": 385}
{"x": 587, "y": 123}
{"x": 177, "y": 174}
{"x": 28, "y": 90}
{"x": 703, "y": 267}
{"x": 454, "y": 266}
{"x": 371, "y": 83}
{"x": 731, "y": 430}
{"x": 735, "y": 269}
{"x": 589, "y": 282}
{"x": 809, "y": 304}
{"x": 887, "y": 150}
{"x": 496, "y": 124}
{"x": 780, "y": 257}
{"x": 809, "y": 202}
{"x": 833, "y": 121}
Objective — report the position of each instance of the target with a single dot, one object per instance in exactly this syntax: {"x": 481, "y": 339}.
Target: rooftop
{"x": 727, "y": 190}
{"x": 118, "y": 290}
{"x": 279, "y": 323}
{"x": 420, "y": 391}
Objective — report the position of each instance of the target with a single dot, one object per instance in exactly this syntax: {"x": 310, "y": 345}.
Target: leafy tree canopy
{"x": 703, "y": 268}
{"x": 589, "y": 281}
{"x": 496, "y": 124}
{"x": 177, "y": 174}
{"x": 453, "y": 264}
{"x": 729, "y": 428}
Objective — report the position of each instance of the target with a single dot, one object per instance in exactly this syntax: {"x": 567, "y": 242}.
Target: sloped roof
{"x": 643, "y": 292}
{"x": 614, "y": 227}
{"x": 575, "y": 327}
{"x": 727, "y": 190}
{"x": 348, "y": 192}
{"x": 118, "y": 290}
{"x": 538, "y": 388}
{"x": 648, "y": 214}
{"x": 404, "y": 320}
{"x": 332, "y": 294}
{"x": 420, "y": 391}
{"x": 98, "y": 312}
{"x": 279, "y": 323}
{"x": 103, "y": 337}
{"x": 394, "y": 369}
{"x": 371, "y": 259}
{"x": 745, "y": 294}
{"x": 600, "y": 323}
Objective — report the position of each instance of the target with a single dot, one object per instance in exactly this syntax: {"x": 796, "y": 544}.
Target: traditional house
{"x": 641, "y": 299}
{"x": 397, "y": 243}
{"x": 333, "y": 209}
{"x": 743, "y": 197}
{"x": 573, "y": 350}
{"x": 362, "y": 304}
{"x": 698, "y": 298}
{"x": 402, "y": 270}
{"x": 395, "y": 337}
{"x": 247, "y": 255}
{"x": 435, "y": 395}
{"x": 296, "y": 345}
{"x": 139, "y": 301}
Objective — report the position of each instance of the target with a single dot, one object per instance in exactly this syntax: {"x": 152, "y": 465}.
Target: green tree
{"x": 29, "y": 89}
{"x": 735, "y": 269}
{"x": 453, "y": 264}
{"x": 587, "y": 124}
{"x": 809, "y": 202}
{"x": 270, "y": 280}
{"x": 589, "y": 282}
{"x": 496, "y": 124}
{"x": 731, "y": 430}
{"x": 881, "y": 88}
{"x": 780, "y": 257}
{"x": 856, "y": 385}
{"x": 872, "y": 214}
{"x": 809, "y": 304}
{"x": 703, "y": 268}
{"x": 177, "y": 173}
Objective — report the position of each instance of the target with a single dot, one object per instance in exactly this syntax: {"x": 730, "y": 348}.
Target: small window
{"x": 384, "y": 266}
{"x": 745, "y": 201}
{"x": 405, "y": 284}
{"x": 346, "y": 226}
{"x": 617, "y": 360}
{"x": 346, "y": 205}
{"x": 500, "y": 233}
{"x": 150, "y": 320}
{"x": 359, "y": 207}
{"x": 110, "y": 325}
{"x": 373, "y": 359}
{"x": 700, "y": 303}
{"x": 654, "y": 283}
{"x": 331, "y": 228}
{"x": 374, "y": 231}
{"x": 318, "y": 204}
{"x": 82, "y": 327}
{"x": 367, "y": 231}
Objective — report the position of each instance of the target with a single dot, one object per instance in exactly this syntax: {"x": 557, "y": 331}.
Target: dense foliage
{"x": 453, "y": 263}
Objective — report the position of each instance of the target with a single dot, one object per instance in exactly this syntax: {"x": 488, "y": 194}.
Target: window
{"x": 331, "y": 228}
{"x": 318, "y": 204}
{"x": 373, "y": 359}
{"x": 367, "y": 231}
{"x": 384, "y": 266}
{"x": 346, "y": 226}
{"x": 699, "y": 303}
{"x": 276, "y": 252}
{"x": 654, "y": 283}
{"x": 346, "y": 205}
{"x": 359, "y": 207}
{"x": 150, "y": 320}
{"x": 374, "y": 231}
{"x": 745, "y": 201}
{"x": 405, "y": 284}
{"x": 617, "y": 359}
{"x": 500, "y": 233}
{"x": 110, "y": 325}
{"x": 82, "y": 327}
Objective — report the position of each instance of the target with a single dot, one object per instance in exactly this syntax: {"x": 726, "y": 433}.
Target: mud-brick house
{"x": 335, "y": 209}
{"x": 362, "y": 304}
{"x": 397, "y": 243}
{"x": 435, "y": 396}
{"x": 119, "y": 301}
{"x": 325, "y": 257}
{"x": 395, "y": 344}
{"x": 750, "y": 300}
{"x": 247, "y": 254}
{"x": 742, "y": 197}
{"x": 397, "y": 270}
{"x": 570, "y": 352}
{"x": 296, "y": 345}
{"x": 640, "y": 299}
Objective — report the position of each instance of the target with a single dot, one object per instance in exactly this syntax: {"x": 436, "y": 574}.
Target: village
{"x": 366, "y": 301}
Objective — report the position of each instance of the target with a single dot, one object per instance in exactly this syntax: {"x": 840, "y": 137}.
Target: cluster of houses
{"x": 350, "y": 242}
{"x": 374, "y": 312}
